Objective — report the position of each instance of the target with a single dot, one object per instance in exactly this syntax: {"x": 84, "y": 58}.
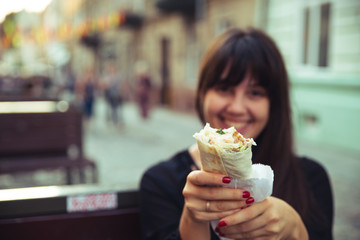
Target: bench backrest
{"x": 34, "y": 134}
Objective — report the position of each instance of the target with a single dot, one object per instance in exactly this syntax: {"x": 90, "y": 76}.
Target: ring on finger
{"x": 207, "y": 205}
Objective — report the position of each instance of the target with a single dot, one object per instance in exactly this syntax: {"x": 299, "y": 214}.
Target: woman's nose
{"x": 237, "y": 103}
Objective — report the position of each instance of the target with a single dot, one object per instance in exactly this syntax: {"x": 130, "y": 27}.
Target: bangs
{"x": 246, "y": 57}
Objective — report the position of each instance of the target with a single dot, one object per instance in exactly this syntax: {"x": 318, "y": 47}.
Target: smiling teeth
{"x": 236, "y": 125}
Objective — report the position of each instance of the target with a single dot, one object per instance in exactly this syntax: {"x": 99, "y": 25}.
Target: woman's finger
{"x": 245, "y": 215}
{"x": 247, "y": 229}
{"x": 215, "y": 193}
{"x": 256, "y": 234}
{"x": 215, "y": 205}
{"x": 210, "y": 186}
{"x": 251, "y": 230}
{"x": 209, "y": 216}
{"x": 199, "y": 177}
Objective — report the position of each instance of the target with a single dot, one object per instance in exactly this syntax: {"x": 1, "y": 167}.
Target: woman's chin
{"x": 244, "y": 131}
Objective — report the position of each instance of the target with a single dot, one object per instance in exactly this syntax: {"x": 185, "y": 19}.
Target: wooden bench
{"x": 48, "y": 218}
{"x": 32, "y": 141}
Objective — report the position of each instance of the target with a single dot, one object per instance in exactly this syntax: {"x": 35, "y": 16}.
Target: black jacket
{"x": 161, "y": 199}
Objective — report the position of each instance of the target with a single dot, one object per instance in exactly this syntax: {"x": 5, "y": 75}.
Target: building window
{"x": 306, "y": 35}
{"x": 324, "y": 34}
{"x": 316, "y": 35}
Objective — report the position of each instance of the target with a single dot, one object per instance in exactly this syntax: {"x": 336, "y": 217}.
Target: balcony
{"x": 131, "y": 20}
{"x": 183, "y": 6}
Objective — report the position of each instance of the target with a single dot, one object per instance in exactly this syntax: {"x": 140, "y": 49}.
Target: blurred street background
{"x": 123, "y": 153}
{"x": 130, "y": 68}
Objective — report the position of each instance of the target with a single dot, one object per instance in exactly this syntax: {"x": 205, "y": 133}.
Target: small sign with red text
{"x": 91, "y": 202}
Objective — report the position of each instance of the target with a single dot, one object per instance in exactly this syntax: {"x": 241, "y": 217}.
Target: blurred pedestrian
{"x": 112, "y": 84}
{"x": 86, "y": 93}
{"x": 143, "y": 89}
{"x": 70, "y": 83}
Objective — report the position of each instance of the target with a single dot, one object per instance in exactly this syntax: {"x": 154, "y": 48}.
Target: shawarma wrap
{"x": 225, "y": 151}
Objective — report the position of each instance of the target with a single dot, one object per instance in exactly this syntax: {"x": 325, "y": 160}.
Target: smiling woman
{"x": 19, "y": 5}
{"x": 243, "y": 84}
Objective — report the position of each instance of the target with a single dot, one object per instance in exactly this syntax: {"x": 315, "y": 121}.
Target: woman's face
{"x": 245, "y": 106}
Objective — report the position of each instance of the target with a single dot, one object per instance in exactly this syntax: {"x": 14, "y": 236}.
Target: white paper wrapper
{"x": 260, "y": 186}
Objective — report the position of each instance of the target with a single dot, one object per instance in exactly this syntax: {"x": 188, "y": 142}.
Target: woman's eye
{"x": 257, "y": 92}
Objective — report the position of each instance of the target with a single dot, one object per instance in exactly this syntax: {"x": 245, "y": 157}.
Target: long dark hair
{"x": 255, "y": 52}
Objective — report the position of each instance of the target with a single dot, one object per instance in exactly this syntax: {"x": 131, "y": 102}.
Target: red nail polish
{"x": 217, "y": 229}
{"x": 246, "y": 194}
{"x": 226, "y": 179}
{"x": 222, "y": 224}
{"x": 249, "y": 200}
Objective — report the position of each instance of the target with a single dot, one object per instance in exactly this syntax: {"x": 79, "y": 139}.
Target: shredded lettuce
{"x": 220, "y": 131}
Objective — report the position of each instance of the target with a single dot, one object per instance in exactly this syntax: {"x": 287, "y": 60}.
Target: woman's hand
{"x": 272, "y": 218}
{"x": 207, "y": 199}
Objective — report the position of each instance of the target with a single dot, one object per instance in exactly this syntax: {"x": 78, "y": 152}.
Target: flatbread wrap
{"x": 225, "y": 151}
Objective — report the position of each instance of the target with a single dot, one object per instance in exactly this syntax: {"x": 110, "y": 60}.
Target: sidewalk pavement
{"x": 124, "y": 152}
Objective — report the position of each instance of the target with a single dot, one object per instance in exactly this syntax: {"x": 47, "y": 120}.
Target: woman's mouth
{"x": 235, "y": 124}
{"x": 240, "y": 126}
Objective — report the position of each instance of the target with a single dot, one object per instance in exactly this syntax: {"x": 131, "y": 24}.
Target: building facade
{"x": 319, "y": 41}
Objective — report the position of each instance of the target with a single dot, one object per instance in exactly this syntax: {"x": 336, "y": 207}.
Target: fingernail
{"x": 222, "y": 224}
{"x": 217, "y": 229}
{"x": 246, "y": 194}
{"x": 249, "y": 200}
{"x": 226, "y": 179}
